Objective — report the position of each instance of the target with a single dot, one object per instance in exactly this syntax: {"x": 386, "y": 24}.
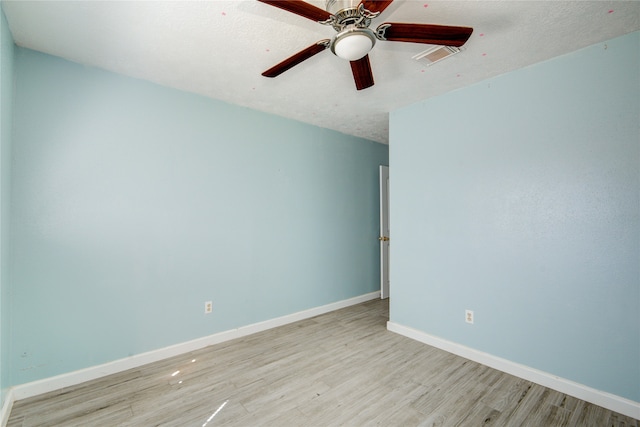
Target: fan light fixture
{"x": 353, "y": 43}
{"x": 354, "y": 39}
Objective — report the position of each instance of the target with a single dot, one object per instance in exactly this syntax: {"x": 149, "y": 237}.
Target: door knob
{"x": 383, "y": 238}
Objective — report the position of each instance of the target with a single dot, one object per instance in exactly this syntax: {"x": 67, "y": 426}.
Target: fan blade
{"x": 425, "y": 33}
{"x": 376, "y": 5}
{"x": 301, "y": 8}
{"x": 362, "y": 73}
{"x": 294, "y": 60}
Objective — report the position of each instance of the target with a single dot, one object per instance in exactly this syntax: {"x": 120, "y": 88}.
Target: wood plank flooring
{"x": 340, "y": 368}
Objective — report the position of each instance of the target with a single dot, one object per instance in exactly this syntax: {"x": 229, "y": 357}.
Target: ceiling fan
{"x": 354, "y": 39}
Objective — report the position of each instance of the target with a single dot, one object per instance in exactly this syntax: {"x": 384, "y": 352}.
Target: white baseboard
{"x": 601, "y": 398}
{"x": 76, "y": 377}
{"x": 6, "y": 407}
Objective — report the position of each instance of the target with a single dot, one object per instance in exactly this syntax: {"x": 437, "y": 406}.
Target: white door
{"x": 384, "y": 232}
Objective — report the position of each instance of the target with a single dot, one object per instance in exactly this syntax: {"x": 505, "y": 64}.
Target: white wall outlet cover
{"x": 468, "y": 316}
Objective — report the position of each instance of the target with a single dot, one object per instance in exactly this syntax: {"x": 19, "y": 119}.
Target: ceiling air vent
{"x": 436, "y": 54}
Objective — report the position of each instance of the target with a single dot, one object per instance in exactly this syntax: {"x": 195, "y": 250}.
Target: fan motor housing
{"x": 344, "y": 14}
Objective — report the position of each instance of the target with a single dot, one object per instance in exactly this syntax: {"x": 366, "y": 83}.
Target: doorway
{"x": 385, "y": 235}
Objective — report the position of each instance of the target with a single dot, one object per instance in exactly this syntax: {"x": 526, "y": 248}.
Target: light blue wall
{"x": 519, "y": 198}
{"x": 134, "y": 204}
{"x": 6, "y": 101}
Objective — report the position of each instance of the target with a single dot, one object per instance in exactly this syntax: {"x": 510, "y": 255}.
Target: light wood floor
{"x": 341, "y": 368}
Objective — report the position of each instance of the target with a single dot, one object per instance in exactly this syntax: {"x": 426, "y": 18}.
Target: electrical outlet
{"x": 208, "y": 307}
{"x": 468, "y": 316}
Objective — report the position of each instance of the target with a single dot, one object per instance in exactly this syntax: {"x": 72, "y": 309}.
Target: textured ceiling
{"x": 219, "y": 48}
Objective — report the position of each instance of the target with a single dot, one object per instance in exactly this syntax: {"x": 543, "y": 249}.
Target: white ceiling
{"x": 219, "y": 48}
